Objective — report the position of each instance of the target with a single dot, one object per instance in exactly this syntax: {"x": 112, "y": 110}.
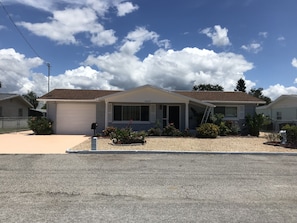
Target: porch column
{"x": 187, "y": 116}
{"x": 106, "y": 114}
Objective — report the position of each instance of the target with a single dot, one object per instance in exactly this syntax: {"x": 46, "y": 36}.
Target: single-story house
{"x": 281, "y": 111}
{"x": 73, "y": 111}
{"x": 14, "y": 110}
{"x": 14, "y": 105}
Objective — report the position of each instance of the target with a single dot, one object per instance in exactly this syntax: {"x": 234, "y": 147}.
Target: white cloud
{"x": 277, "y": 90}
{"x": 169, "y": 68}
{"x": 294, "y": 62}
{"x": 100, "y": 6}
{"x": 83, "y": 77}
{"x": 218, "y": 35}
{"x": 252, "y": 47}
{"x": 281, "y": 38}
{"x": 263, "y": 34}
{"x": 135, "y": 39}
{"x": 16, "y": 73}
{"x": 125, "y": 8}
{"x": 64, "y": 25}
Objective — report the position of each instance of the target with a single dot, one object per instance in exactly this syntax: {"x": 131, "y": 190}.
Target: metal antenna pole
{"x": 48, "y": 76}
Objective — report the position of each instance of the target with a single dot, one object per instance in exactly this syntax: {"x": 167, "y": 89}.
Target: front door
{"x": 171, "y": 115}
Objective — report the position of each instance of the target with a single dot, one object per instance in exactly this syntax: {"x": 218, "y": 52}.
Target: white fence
{"x": 13, "y": 123}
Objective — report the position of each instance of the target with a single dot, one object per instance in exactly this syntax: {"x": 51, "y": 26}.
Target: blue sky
{"x": 171, "y": 44}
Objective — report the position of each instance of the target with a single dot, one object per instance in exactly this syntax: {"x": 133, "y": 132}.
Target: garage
{"x": 75, "y": 118}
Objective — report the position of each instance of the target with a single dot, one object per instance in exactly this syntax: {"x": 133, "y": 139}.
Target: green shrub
{"x": 156, "y": 131}
{"x": 108, "y": 130}
{"x": 127, "y": 136}
{"x": 254, "y": 123}
{"x": 224, "y": 129}
{"x": 208, "y": 130}
{"x": 233, "y": 126}
{"x": 170, "y": 130}
{"x": 40, "y": 125}
{"x": 291, "y": 132}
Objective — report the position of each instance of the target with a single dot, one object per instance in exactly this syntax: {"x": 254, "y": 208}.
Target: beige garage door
{"x": 75, "y": 118}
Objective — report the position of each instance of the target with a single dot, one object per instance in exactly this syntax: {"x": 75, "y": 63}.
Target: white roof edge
{"x": 160, "y": 89}
{"x": 237, "y": 102}
{"x": 65, "y": 100}
{"x": 18, "y": 96}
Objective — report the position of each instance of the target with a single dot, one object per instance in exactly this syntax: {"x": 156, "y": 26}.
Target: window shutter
{"x": 153, "y": 113}
{"x": 241, "y": 112}
{"x": 109, "y": 112}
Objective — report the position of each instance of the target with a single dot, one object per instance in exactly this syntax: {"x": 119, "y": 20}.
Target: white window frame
{"x": 237, "y": 117}
{"x": 133, "y": 121}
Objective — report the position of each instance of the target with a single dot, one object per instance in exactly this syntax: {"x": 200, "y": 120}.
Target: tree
{"x": 258, "y": 94}
{"x": 32, "y": 98}
{"x": 208, "y": 87}
{"x": 240, "y": 85}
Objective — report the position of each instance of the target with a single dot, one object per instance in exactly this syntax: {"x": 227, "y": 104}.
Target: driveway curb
{"x": 175, "y": 152}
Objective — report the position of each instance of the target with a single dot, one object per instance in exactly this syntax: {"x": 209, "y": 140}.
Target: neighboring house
{"x": 13, "y": 111}
{"x": 281, "y": 111}
{"x": 73, "y": 111}
{"x": 13, "y": 105}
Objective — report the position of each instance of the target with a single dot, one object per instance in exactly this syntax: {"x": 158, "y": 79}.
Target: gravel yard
{"x": 220, "y": 144}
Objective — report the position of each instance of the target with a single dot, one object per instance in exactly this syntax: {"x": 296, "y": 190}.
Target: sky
{"x": 170, "y": 44}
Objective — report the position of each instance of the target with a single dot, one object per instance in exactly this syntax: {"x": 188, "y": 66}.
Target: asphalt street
{"x": 148, "y": 188}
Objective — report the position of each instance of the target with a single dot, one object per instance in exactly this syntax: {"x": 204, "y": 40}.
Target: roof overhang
{"x": 150, "y": 94}
{"x": 66, "y": 100}
{"x": 21, "y": 98}
{"x": 237, "y": 102}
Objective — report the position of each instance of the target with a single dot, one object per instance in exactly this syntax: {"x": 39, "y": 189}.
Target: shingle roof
{"x": 221, "y": 96}
{"x": 205, "y": 96}
{"x": 5, "y": 96}
{"x": 77, "y": 94}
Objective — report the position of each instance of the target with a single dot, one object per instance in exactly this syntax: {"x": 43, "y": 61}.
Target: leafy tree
{"x": 32, "y": 98}
{"x": 240, "y": 85}
{"x": 258, "y": 94}
{"x": 208, "y": 87}
{"x": 0, "y": 84}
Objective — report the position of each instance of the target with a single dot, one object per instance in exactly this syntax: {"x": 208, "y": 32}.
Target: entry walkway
{"x": 28, "y": 143}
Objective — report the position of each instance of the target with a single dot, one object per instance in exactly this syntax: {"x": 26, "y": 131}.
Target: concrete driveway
{"x": 28, "y": 143}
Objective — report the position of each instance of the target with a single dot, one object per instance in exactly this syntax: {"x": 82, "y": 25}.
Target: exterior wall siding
{"x": 147, "y": 125}
{"x": 100, "y": 116}
{"x": 51, "y": 108}
{"x": 10, "y": 108}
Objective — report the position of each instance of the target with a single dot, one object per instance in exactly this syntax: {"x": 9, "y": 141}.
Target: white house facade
{"x": 73, "y": 111}
{"x": 281, "y": 111}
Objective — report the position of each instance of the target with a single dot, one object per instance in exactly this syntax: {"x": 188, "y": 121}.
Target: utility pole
{"x": 48, "y": 76}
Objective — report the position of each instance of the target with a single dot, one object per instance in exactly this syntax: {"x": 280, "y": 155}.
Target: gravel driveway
{"x": 220, "y": 144}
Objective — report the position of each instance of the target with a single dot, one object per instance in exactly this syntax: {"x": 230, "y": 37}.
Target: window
{"x": 20, "y": 112}
{"x": 131, "y": 112}
{"x": 278, "y": 115}
{"x": 1, "y": 112}
{"x": 228, "y": 112}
